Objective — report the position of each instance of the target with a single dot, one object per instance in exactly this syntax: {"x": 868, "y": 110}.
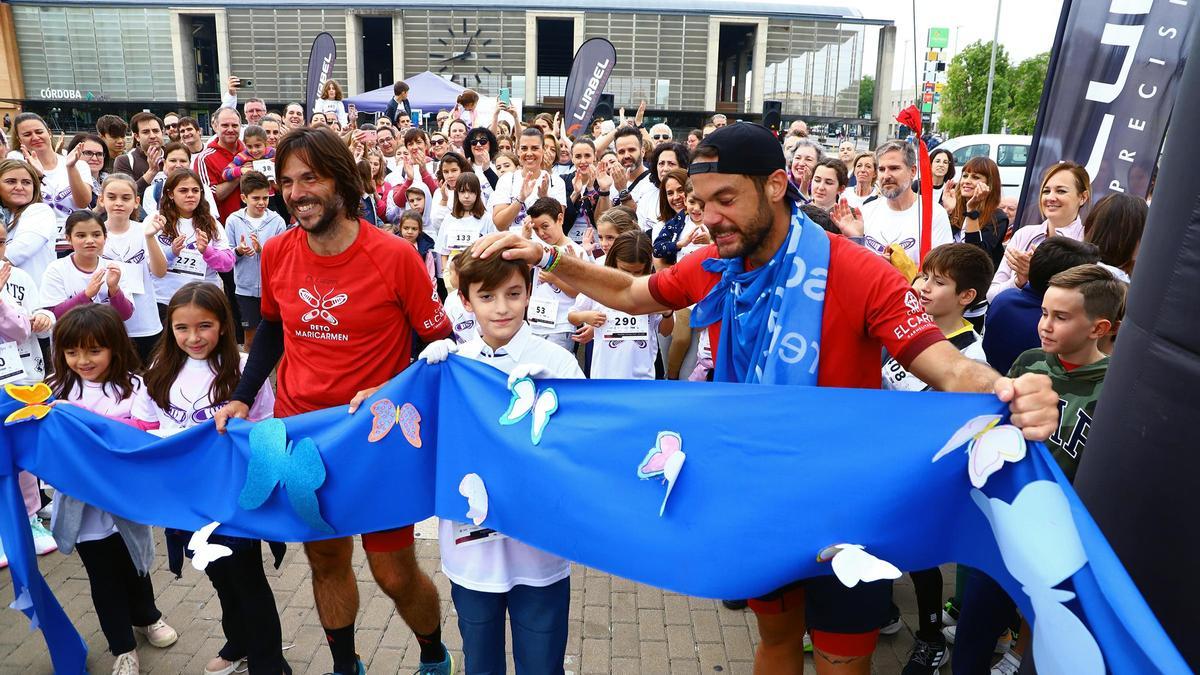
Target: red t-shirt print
{"x": 347, "y": 319}
{"x": 868, "y": 306}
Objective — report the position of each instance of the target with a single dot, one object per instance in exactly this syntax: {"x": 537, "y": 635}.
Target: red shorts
{"x": 388, "y": 541}
{"x": 842, "y": 621}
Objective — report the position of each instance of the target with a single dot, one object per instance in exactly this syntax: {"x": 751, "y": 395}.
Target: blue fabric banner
{"x": 764, "y": 479}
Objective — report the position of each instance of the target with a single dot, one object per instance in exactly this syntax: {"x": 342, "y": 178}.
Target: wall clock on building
{"x": 465, "y": 56}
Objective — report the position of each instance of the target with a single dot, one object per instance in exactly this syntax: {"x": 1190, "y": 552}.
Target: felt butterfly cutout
{"x": 34, "y": 396}
{"x": 991, "y": 445}
{"x": 203, "y": 552}
{"x": 1041, "y": 548}
{"x": 24, "y": 604}
{"x": 526, "y": 399}
{"x": 664, "y": 460}
{"x": 472, "y": 488}
{"x": 852, "y": 564}
{"x": 295, "y": 467}
{"x": 322, "y": 305}
{"x": 387, "y": 415}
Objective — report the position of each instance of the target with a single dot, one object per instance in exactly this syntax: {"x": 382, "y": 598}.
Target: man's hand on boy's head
{"x": 1033, "y": 403}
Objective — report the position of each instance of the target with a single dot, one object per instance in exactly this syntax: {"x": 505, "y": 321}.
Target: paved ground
{"x": 617, "y": 626}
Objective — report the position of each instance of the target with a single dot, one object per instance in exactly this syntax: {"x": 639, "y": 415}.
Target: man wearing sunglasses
{"x": 660, "y": 133}
{"x": 171, "y": 126}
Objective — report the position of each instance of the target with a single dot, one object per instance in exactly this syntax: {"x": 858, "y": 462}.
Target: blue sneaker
{"x": 443, "y": 667}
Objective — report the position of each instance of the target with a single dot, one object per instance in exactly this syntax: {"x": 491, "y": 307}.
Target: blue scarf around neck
{"x": 770, "y": 316}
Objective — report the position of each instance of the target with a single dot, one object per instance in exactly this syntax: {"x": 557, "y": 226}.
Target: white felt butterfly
{"x": 852, "y": 564}
{"x": 991, "y": 445}
{"x": 203, "y": 552}
{"x": 1041, "y": 548}
{"x": 526, "y": 399}
{"x": 472, "y": 488}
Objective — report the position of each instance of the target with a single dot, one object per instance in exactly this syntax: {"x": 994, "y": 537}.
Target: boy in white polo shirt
{"x": 490, "y": 573}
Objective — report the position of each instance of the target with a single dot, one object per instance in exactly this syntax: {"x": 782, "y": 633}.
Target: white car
{"x": 1010, "y": 153}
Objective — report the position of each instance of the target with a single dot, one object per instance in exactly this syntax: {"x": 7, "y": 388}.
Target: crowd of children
{"x": 142, "y": 330}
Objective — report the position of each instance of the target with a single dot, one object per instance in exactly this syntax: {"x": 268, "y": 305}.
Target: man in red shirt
{"x": 219, "y": 153}
{"x": 739, "y": 173}
{"x": 327, "y": 287}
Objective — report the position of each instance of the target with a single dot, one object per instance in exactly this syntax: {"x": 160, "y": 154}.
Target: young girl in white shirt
{"x": 83, "y": 277}
{"x": 192, "y": 240}
{"x": 95, "y": 368}
{"x": 133, "y": 247}
{"x": 468, "y": 219}
{"x": 194, "y": 370}
{"x": 626, "y": 345}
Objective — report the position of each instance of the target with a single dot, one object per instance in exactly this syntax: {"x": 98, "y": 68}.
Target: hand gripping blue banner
{"x": 754, "y": 483}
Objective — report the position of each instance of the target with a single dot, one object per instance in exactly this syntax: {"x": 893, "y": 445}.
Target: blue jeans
{"x": 539, "y": 627}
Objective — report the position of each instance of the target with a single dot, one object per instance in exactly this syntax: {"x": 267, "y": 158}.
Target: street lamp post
{"x": 987, "y": 107}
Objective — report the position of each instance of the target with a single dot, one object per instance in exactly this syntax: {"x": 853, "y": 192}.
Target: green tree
{"x": 866, "y": 96}
{"x": 965, "y": 95}
{"x": 1027, "y": 81}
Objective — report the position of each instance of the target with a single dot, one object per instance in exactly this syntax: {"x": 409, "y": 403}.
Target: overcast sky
{"x": 1026, "y": 26}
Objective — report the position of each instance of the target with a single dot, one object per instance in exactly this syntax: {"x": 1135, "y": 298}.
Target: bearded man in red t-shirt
{"x": 327, "y": 287}
{"x": 827, "y": 309}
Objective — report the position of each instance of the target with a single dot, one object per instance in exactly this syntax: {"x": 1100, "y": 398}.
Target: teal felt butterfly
{"x": 525, "y": 400}
{"x": 297, "y": 468}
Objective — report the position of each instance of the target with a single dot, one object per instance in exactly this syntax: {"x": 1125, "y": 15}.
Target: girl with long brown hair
{"x": 32, "y": 227}
{"x": 974, "y": 207}
{"x": 192, "y": 240}
{"x": 96, "y": 368}
{"x": 192, "y": 374}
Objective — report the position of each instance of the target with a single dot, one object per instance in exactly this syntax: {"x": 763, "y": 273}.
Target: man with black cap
{"x": 787, "y": 303}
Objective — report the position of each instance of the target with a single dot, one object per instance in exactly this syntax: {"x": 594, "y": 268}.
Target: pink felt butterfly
{"x": 655, "y": 462}
{"x": 387, "y": 415}
{"x": 665, "y": 460}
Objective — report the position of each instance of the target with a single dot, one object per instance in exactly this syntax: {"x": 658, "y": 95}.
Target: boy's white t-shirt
{"x": 129, "y": 249}
{"x": 465, "y": 326}
{"x": 102, "y": 400}
{"x": 883, "y": 226}
{"x": 457, "y": 233}
{"x": 165, "y": 287}
{"x": 548, "y": 305}
{"x": 622, "y": 357}
{"x": 191, "y": 404}
{"x": 64, "y": 279}
{"x": 498, "y": 564}
{"x": 20, "y": 291}
{"x": 969, "y": 343}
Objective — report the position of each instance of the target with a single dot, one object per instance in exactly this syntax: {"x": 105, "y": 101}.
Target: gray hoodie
{"x": 247, "y": 278}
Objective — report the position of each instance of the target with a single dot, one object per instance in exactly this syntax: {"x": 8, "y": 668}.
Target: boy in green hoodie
{"x": 1081, "y": 306}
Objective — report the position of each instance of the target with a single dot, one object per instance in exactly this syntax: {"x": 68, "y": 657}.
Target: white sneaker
{"x": 1009, "y": 665}
{"x": 216, "y": 666}
{"x": 126, "y": 664}
{"x": 158, "y": 634}
{"x": 43, "y": 541}
{"x": 1003, "y": 643}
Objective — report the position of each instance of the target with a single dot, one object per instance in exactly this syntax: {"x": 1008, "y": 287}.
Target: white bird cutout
{"x": 473, "y": 489}
{"x": 852, "y": 564}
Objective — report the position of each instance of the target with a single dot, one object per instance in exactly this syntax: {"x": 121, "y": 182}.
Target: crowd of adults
{"x": 707, "y": 210}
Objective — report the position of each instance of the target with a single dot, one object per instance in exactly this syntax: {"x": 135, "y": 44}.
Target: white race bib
{"x": 61, "y": 236}
{"x": 11, "y": 368}
{"x": 466, "y": 534}
{"x": 265, "y": 166}
{"x": 622, "y": 326}
{"x": 461, "y": 235}
{"x": 543, "y": 312}
{"x": 190, "y": 262}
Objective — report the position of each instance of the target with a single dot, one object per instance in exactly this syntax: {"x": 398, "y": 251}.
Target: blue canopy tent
{"x": 426, "y": 91}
